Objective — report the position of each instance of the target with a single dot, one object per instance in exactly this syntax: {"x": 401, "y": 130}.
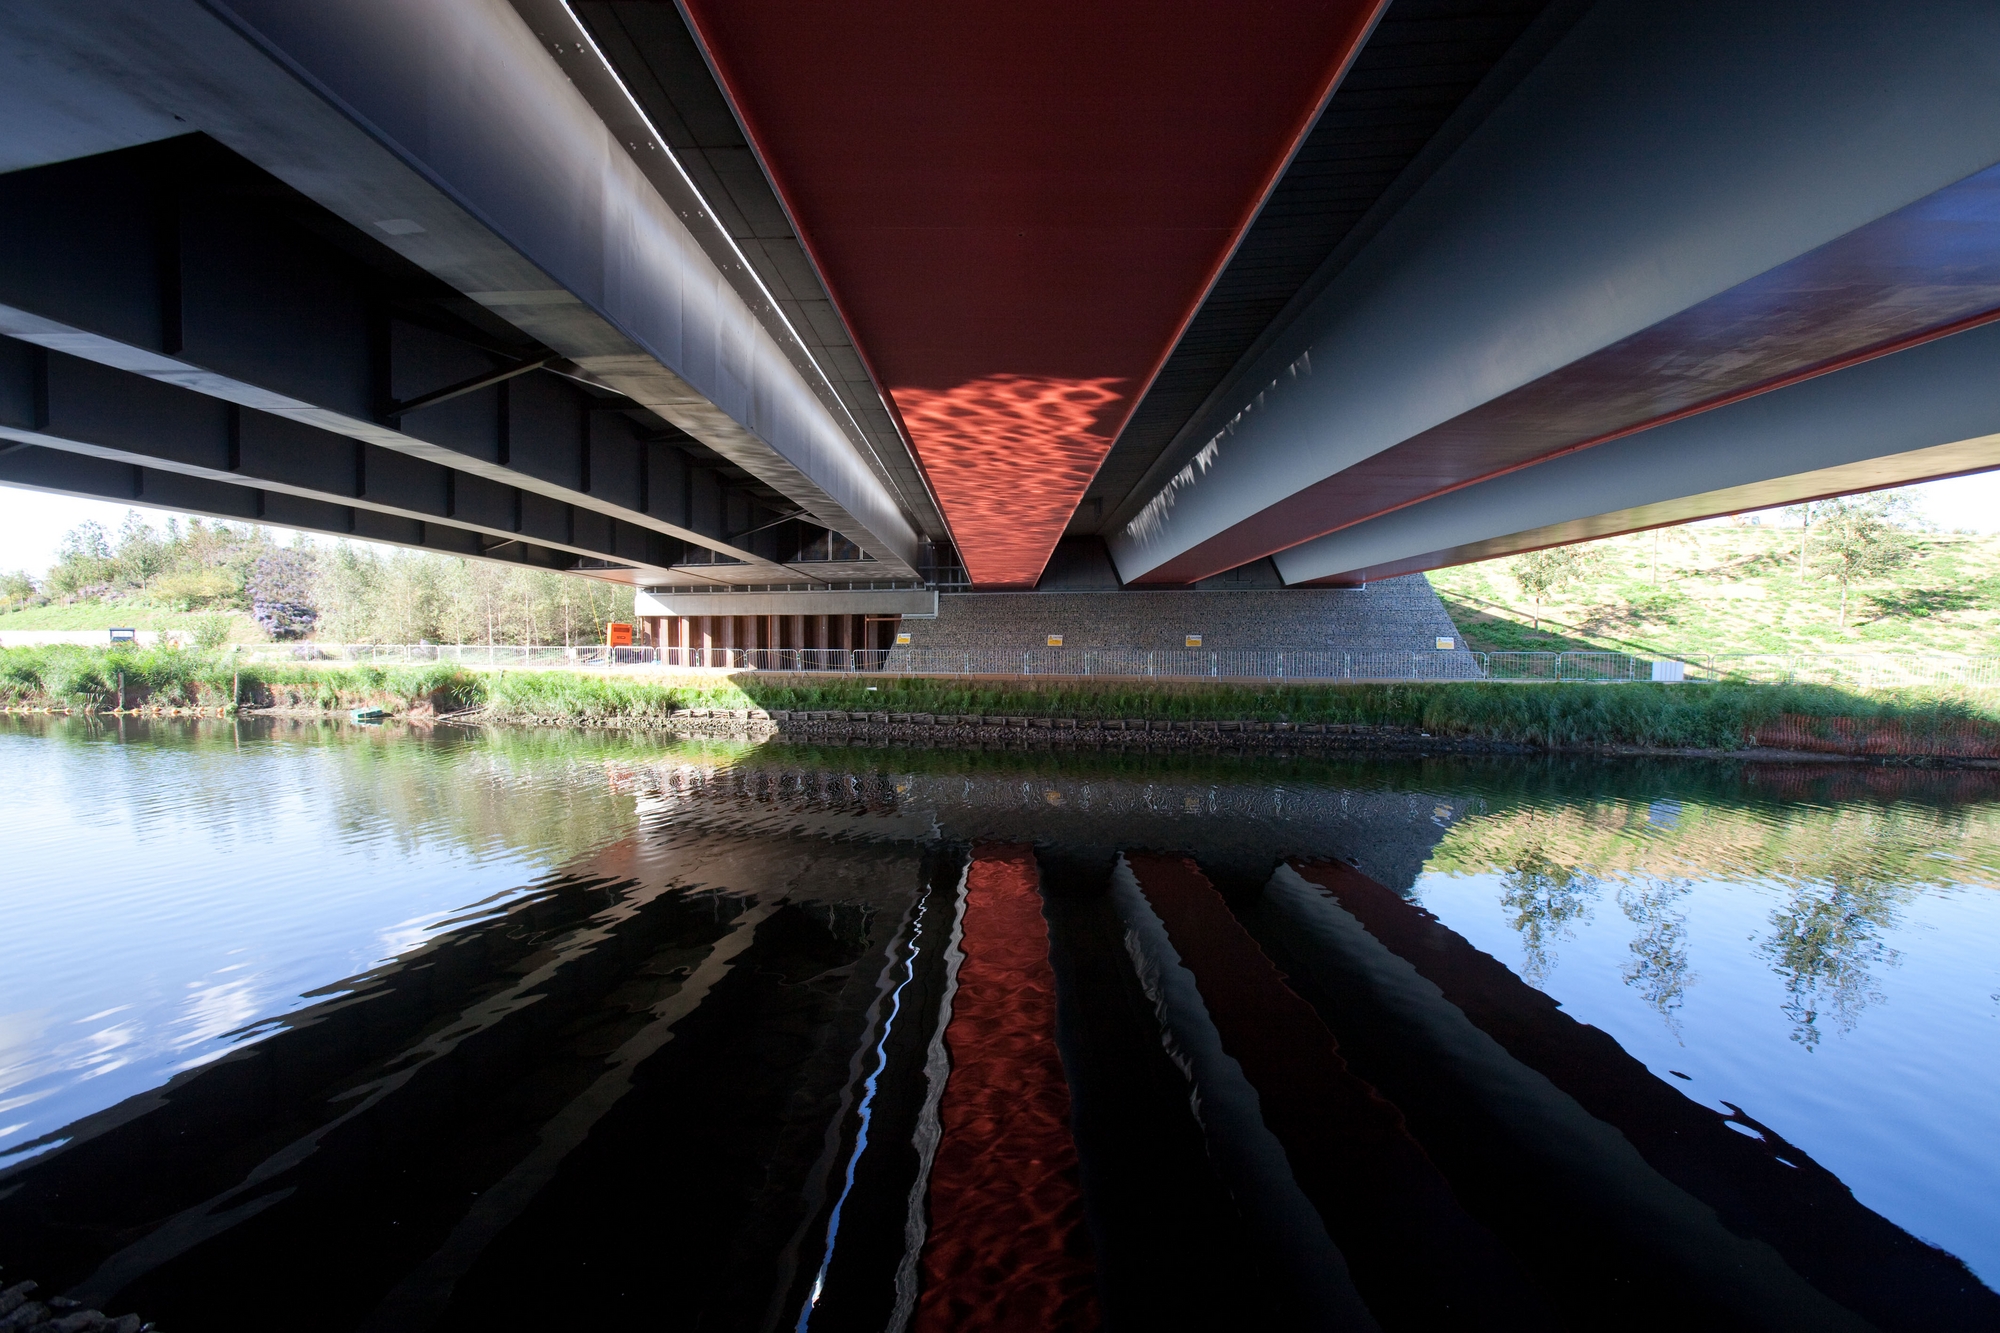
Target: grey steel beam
{"x": 919, "y": 602}
{"x": 56, "y": 401}
{"x": 1931, "y": 411}
{"x": 644, "y": 74}
{"x": 444, "y": 129}
{"x": 178, "y": 264}
{"x": 34, "y": 467}
{"x": 1659, "y": 156}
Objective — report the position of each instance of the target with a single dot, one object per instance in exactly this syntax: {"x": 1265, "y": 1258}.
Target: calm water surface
{"x": 333, "y": 1027}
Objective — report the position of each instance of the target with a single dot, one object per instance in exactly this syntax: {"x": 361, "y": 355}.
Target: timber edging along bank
{"x": 977, "y": 732}
{"x": 1276, "y": 739}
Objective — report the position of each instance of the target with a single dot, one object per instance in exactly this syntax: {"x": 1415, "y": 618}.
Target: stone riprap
{"x": 963, "y": 731}
{"x": 1396, "y": 615}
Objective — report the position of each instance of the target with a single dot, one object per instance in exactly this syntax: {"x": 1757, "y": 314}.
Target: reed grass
{"x": 1717, "y": 716}
{"x": 71, "y": 676}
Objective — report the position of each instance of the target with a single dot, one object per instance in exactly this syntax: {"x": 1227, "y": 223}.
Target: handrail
{"x": 1861, "y": 671}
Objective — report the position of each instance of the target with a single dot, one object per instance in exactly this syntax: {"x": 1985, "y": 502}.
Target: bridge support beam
{"x": 56, "y": 401}
{"x": 448, "y": 135}
{"x": 1676, "y": 208}
{"x": 33, "y": 467}
{"x": 1932, "y": 411}
{"x": 174, "y": 269}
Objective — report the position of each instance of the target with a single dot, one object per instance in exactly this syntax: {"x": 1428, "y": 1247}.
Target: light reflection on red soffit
{"x": 1009, "y": 456}
{"x": 1018, "y": 207}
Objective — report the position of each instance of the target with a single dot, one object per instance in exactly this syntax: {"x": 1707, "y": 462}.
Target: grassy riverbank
{"x": 66, "y": 676}
{"x": 1686, "y": 716}
{"x": 1690, "y": 591}
{"x": 1693, "y": 716}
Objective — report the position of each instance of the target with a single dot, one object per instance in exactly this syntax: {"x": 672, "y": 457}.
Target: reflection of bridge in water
{"x": 701, "y": 1075}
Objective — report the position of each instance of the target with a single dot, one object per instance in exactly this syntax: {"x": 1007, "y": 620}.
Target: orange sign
{"x": 618, "y": 634}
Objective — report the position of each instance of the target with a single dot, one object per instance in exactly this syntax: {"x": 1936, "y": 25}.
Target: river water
{"x": 322, "y": 1026}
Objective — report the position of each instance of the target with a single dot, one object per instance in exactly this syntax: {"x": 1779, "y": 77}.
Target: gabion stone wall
{"x": 1397, "y": 615}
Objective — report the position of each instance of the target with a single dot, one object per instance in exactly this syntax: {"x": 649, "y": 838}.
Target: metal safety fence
{"x": 1865, "y": 671}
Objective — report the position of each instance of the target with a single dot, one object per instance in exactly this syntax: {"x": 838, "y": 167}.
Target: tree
{"x": 141, "y": 555}
{"x": 83, "y": 562}
{"x": 338, "y": 591}
{"x": 1860, "y": 539}
{"x": 1805, "y": 514}
{"x": 281, "y": 588}
{"x": 1541, "y": 573}
{"x": 17, "y": 589}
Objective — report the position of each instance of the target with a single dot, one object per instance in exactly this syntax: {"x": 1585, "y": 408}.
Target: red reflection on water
{"x": 1010, "y": 457}
{"x": 1006, "y": 1249}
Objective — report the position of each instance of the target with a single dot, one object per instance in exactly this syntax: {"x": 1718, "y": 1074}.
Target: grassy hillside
{"x": 132, "y": 613}
{"x": 1722, "y": 589}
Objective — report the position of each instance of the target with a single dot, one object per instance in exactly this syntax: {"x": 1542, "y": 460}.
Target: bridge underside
{"x": 1620, "y": 290}
{"x": 888, "y": 297}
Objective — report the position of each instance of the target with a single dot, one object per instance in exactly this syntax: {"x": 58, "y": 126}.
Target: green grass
{"x": 1724, "y": 589}
{"x": 132, "y": 614}
{"x": 546, "y": 696}
{"x": 1697, "y": 716}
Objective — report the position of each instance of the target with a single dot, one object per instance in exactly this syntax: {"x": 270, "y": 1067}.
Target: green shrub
{"x": 212, "y": 631}
{"x": 194, "y": 589}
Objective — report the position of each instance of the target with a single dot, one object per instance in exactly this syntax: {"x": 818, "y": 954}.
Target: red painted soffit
{"x": 1018, "y": 208}
{"x": 1926, "y": 271}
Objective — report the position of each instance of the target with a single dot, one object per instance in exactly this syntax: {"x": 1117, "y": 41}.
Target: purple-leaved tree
{"x": 281, "y": 593}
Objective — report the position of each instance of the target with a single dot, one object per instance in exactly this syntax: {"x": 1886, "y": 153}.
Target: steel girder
{"x": 37, "y": 467}
{"x": 195, "y": 286}
{"x": 56, "y": 401}
{"x": 444, "y": 132}
{"x": 1931, "y": 411}
{"x": 1679, "y": 205}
